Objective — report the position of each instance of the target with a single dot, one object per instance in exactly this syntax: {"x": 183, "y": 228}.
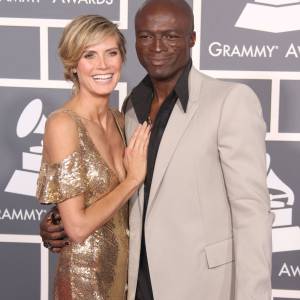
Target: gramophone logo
{"x": 271, "y": 15}
{"x": 31, "y": 121}
{"x": 286, "y": 237}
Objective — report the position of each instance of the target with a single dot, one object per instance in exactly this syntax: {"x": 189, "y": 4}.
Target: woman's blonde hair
{"x": 79, "y": 34}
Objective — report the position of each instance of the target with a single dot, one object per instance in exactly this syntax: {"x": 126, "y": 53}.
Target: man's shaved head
{"x": 164, "y": 37}
{"x": 180, "y": 5}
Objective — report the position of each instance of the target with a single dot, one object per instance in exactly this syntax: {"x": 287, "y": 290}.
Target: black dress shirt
{"x": 141, "y": 98}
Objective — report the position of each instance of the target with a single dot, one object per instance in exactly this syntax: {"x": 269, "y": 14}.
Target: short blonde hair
{"x": 80, "y": 33}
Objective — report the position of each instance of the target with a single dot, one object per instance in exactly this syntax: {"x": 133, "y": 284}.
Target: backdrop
{"x": 255, "y": 42}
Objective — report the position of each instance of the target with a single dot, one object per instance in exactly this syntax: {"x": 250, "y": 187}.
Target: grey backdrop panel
{"x": 31, "y": 86}
{"x": 219, "y": 33}
{"x": 59, "y": 9}
{"x": 19, "y": 48}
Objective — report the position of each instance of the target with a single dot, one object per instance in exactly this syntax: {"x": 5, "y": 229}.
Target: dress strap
{"x": 73, "y": 115}
{"x": 116, "y": 114}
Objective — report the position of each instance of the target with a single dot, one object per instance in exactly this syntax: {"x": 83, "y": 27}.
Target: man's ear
{"x": 192, "y": 40}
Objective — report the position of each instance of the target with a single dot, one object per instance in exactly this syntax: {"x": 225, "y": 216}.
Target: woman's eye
{"x": 88, "y": 55}
{"x": 113, "y": 53}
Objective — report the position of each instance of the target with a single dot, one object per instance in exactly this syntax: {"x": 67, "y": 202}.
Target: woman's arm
{"x": 61, "y": 138}
{"x": 79, "y": 222}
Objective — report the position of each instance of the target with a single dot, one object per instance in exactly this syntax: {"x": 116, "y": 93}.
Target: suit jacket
{"x": 208, "y": 222}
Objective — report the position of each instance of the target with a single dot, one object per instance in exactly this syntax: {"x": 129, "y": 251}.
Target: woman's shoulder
{"x": 62, "y": 122}
{"x": 61, "y": 117}
{"x": 61, "y": 135}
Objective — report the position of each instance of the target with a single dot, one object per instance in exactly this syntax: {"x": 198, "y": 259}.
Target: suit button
{"x": 127, "y": 232}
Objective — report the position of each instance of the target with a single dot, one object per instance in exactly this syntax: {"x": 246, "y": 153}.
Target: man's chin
{"x": 161, "y": 73}
{"x": 158, "y": 74}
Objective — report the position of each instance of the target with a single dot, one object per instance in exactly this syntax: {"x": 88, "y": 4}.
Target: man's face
{"x": 163, "y": 41}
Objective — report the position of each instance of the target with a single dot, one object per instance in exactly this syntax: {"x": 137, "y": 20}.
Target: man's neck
{"x": 162, "y": 89}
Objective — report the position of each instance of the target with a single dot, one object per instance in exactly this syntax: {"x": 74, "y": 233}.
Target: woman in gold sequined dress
{"x": 86, "y": 169}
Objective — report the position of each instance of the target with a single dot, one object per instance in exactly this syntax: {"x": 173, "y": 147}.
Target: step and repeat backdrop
{"x": 254, "y": 42}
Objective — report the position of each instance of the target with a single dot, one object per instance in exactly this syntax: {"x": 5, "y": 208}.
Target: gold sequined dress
{"x": 96, "y": 268}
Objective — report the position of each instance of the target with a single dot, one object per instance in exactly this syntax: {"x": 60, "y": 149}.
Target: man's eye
{"x": 171, "y": 37}
{"x": 145, "y": 36}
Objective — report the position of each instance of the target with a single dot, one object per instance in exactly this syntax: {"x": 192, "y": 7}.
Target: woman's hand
{"x": 135, "y": 159}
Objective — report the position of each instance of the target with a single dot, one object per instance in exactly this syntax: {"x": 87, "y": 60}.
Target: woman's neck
{"x": 92, "y": 108}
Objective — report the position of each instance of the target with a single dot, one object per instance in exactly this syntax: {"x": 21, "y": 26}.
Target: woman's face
{"x": 99, "y": 67}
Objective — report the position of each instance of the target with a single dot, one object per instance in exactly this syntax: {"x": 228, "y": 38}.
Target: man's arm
{"x": 52, "y": 231}
{"x": 243, "y": 154}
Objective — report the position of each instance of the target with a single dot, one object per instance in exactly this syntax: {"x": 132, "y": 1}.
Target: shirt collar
{"x": 141, "y": 96}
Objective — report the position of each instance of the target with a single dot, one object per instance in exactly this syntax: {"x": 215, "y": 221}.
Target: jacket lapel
{"x": 131, "y": 123}
{"x": 177, "y": 125}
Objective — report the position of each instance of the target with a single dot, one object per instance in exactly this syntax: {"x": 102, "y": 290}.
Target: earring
{"x": 74, "y": 71}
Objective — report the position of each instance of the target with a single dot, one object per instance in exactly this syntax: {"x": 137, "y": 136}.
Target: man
{"x": 200, "y": 226}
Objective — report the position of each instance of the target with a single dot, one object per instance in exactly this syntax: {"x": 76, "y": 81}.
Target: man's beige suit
{"x": 208, "y": 223}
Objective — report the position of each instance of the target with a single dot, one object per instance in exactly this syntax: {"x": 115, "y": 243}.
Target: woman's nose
{"x": 101, "y": 62}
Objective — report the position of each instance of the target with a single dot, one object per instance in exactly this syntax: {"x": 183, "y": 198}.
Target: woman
{"x": 84, "y": 169}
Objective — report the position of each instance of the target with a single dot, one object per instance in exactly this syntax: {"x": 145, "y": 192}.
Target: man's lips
{"x": 158, "y": 61}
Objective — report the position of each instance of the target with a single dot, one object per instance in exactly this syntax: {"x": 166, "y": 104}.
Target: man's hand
{"x": 52, "y": 231}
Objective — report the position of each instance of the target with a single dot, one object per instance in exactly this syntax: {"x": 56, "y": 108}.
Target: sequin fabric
{"x": 97, "y": 268}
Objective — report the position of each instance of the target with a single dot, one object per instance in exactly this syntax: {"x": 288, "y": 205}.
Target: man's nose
{"x": 158, "y": 44}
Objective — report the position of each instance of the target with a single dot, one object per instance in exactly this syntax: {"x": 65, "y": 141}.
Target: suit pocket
{"x": 219, "y": 253}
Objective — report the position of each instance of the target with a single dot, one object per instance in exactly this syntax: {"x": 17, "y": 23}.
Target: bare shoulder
{"x": 61, "y": 136}
{"x": 60, "y": 119}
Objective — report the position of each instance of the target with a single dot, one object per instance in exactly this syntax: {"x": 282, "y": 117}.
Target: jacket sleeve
{"x": 241, "y": 142}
